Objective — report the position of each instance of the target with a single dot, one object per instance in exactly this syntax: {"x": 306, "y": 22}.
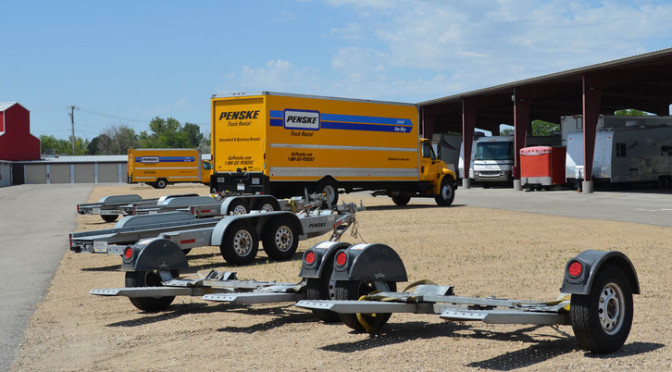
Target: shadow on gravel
{"x": 284, "y": 315}
{"x": 176, "y": 311}
{"x": 407, "y": 207}
{"x": 397, "y": 333}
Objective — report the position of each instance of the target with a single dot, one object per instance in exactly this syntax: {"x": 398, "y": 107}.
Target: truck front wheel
{"x": 446, "y": 193}
{"x": 329, "y": 189}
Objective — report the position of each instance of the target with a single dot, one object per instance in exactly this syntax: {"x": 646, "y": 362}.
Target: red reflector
{"x": 187, "y": 241}
{"x": 128, "y": 253}
{"x": 310, "y": 258}
{"x": 575, "y": 269}
{"x": 341, "y": 258}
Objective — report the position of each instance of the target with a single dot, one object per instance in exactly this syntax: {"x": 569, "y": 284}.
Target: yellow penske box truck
{"x": 283, "y": 144}
{"x": 161, "y": 167}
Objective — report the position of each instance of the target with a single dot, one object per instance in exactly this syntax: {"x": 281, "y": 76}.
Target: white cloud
{"x": 416, "y": 50}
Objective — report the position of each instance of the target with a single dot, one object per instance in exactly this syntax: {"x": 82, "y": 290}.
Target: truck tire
{"x": 446, "y": 193}
{"x": 237, "y": 206}
{"x": 136, "y": 279}
{"x": 266, "y": 205}
{"x": 601, "y": 320}
{"x": 161, "y": 183}
{"x": 329, "y": 189}
{"x": 401, "y": 200}
{"x": 353, "y": 290}
{"x": 240, "y": 243}
{"x": 109, "y": 217}
{"x": 323, "y": 288}
{"x": 280, "y": 238}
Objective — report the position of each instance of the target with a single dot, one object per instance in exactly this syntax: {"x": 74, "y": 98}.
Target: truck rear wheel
{"x": 446, "y": 193}
{"x": 240, "y": 244}
{"x": 161, "y": 183}
{"x": 323, "y": 288}
{"x": 601, "y": 320}
{"x": 329, "y": 189}
{"x": 353, "y": 290}
{"x": 136, "y": 279}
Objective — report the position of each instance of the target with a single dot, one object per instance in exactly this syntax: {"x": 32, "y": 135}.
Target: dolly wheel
{"x": 237, "y": 206}
{"x": 323, "y": 288}
{"x": 601, "y": 320}
{"x": 109, "y": 217}
{"x": 354, "y": 290}
{"x": 280, "y": 238}
{"x": 136, "y": 279}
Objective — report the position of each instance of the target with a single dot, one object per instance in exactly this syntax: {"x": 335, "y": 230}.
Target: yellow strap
{"x": 419, "y": 282}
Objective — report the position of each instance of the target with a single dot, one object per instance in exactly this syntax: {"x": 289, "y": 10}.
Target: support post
{"x": 521, "y": 124}
{"x": 592, "y": 93}
{"x": 469, "y": 113}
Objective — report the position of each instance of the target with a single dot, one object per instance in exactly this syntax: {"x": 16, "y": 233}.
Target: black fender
{"x": 591, "y": 261}
{"x": 375, "y": 262}
{"x": 314, "y": 259}
{"x": 258, "y": 221}
{"x": 154, "y": 254}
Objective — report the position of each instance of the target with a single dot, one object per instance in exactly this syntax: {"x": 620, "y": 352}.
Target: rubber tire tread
{"x": 401, "y": 200}
{"x": 350, "y": 290}
{"x": 109, "y": 217}
{"x": 584, "y": 317}
{"x": 318, "y": 289}
{"x": 136, "y": 279}
{"x": 268, "y": 239}
{"x": 439, "y": 199}
{"x": 230, "y": 255}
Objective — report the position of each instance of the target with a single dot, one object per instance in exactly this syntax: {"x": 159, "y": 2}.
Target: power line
{"x": 114, "y": 117}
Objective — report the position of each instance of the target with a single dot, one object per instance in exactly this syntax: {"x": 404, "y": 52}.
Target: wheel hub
{"x": 283, "y": 238}
{"x": 610, "y": 308}
{"x": 242, "y": 243}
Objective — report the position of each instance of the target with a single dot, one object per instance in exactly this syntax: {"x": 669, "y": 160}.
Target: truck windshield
{"x": 494, "y": 151}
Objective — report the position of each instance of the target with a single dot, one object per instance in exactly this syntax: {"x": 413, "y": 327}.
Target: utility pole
{"x": 72, "y": 121}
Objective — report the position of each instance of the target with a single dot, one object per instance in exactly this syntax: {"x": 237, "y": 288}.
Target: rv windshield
{"x": 494, "y": 151}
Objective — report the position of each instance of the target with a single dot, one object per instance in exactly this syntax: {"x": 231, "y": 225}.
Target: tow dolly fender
{"x": 375, "y": 262}
{"x": 154, "y": 254}
{"x": 315, "y": 258}
{"x": 257, "y": 219}
{"x": 592, "y": 261}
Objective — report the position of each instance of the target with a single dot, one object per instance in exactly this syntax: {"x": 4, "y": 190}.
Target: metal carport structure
{"x": 642, "y": 82}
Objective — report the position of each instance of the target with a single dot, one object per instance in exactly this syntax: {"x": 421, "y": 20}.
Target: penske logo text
{"x": 301, "y": 119}
{"x": 239, "y": 115}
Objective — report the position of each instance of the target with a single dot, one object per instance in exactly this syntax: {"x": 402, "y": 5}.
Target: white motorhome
{"x": 493, "y": 159}
{"x": 625, "y": 154}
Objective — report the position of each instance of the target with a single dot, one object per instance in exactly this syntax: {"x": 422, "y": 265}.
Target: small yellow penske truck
{"x": 161, "y": 167}
{"x": 283, "y": 144}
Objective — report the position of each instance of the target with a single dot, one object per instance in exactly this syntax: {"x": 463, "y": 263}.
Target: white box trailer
{"x": 623, "y": 155}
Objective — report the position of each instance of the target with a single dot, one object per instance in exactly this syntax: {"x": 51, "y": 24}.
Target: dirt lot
{"x": 480, "y": 251}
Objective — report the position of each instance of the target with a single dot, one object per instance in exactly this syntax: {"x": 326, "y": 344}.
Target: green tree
{"x": 630, "y": 112}
{"x": 51, "y": 144}
{"x": 116, "y": 140}
{"x": 169, "y": 133}
{"x": 544, "y": 128}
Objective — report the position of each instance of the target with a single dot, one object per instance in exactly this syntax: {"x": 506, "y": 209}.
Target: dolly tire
{"x": 240, "y": 244}
{"x": 601, "y": 320}
{"x": 280, "y": 238}
{"x": 266, "y": 205}
{"x": 352, "y": 290}
{"x": 323, "y": 288}
{"x": 109, "y": 217}
{"x": 136, "y": 279}
{"x": 329, "y": 188}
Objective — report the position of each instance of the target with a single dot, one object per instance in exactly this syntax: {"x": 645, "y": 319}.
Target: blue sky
{"x": 125, "y": 62}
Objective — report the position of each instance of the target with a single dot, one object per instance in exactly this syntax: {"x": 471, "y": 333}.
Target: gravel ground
{"x": 480, "y": 251}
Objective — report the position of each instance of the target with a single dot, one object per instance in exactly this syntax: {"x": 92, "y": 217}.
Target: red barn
{"x": 16, "y": 142}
